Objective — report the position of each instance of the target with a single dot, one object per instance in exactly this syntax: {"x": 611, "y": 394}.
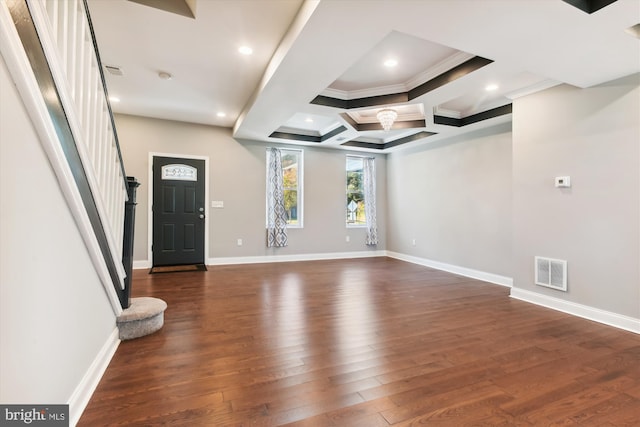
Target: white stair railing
{"x": 66, "y": 35}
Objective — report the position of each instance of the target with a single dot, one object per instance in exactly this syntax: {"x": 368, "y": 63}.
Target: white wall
{"x": 55, "y": 316}
{"x": 237, "y": 177}
{"x": 453, "y": 197}
{"x": 593, "y": 135}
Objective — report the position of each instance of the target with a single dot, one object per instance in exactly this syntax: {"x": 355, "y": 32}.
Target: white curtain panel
{"x": 369, "y": 179}
{"x": 276, "y": 214}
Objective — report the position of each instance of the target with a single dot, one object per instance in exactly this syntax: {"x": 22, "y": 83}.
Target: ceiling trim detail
{"x": 308, "y": 138}
{"x": 484, "y": 115}
{"x": 589, "y": 6}
{"x": 454, "y": 73}
{"x": 390, "y": 144}
{"x": 400, "y": 124}
{"x": 184, "y": 8}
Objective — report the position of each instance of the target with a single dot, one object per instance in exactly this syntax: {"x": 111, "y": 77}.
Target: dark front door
{"x": 178, "y": 211}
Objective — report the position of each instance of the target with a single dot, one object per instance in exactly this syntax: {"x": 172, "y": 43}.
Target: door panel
{"x": 168, "y": 199}
{"x": 189, "y": 237}
{"x": 178, "y": 211}
{"x": 168, "y": 238}
{"x": 190, "y": 199}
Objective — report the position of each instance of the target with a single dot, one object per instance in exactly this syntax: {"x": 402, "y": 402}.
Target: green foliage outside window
{"x": 355, "y": 192}
{"x": 290, "y": 178}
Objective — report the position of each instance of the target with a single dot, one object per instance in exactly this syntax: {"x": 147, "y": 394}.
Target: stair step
{"x": 144, "y": 316}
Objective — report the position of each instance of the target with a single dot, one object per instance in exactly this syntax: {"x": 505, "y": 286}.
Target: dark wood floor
{"x": 369, "y": 342}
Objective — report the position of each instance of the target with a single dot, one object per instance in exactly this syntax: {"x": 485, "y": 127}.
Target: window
{"x": 355, "y": 192}
{"x": 292, "y": 177}
{"x": 292, "y": 163}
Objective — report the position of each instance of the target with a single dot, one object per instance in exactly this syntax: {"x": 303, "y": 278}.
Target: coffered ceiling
{"x": 320, "y": 71}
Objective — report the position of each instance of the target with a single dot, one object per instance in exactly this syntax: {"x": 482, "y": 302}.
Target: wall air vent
{"x": 551, "y": 273}
{"x": 112, "y": 69}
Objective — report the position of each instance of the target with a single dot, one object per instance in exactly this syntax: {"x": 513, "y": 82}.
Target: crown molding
{"x": 364, "y": 93}
{"x": 536, "y": 87}
{"x": 439, "y": 111}
{"x": 441, "y": 67}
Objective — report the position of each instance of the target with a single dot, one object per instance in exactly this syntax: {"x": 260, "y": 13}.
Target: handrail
{"x": 69, "y": 45}
{"x": 104, "y": 85}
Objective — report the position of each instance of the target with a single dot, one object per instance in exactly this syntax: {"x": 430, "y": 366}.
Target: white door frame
{"x": 150, "y": 201}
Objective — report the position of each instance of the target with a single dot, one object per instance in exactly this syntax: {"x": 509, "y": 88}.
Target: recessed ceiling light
{"x": 491, "y": 87}
{"x": 245, "y": 50}
{"x": 390, "y": 63}
{"x": 221, "y": 114}
{"x": 164, "y": 75}
{"x": 114, "y": 99}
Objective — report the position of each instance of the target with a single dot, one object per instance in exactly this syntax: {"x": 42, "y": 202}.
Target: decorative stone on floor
{"x": 144, "y": 316}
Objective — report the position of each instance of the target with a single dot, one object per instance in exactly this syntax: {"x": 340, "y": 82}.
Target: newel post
{"x": 127, "y": 247}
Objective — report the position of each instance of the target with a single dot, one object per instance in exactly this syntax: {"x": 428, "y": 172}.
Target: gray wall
{"x": 484, "y": 200}
{"x": 454, "y": 198}
{"x": 593, "y": 135}
{"x": 237, "y": 177}
{"x": 54, "y": 313}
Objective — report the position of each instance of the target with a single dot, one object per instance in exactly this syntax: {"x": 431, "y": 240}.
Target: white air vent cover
{"x": 551, "y": 273}
{"x": 112, "y": 69}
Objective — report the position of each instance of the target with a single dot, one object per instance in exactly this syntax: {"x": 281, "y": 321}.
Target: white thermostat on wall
{"x": 563, "y": 181}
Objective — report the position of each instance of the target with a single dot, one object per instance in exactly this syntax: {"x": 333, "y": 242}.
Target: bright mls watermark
{"x": 34, "y": 415}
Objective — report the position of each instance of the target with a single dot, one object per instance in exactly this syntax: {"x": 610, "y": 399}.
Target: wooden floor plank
{"x": 365, "y": 342}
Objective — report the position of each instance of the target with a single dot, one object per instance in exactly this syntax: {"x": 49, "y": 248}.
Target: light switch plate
{"x": 217, "y": 204}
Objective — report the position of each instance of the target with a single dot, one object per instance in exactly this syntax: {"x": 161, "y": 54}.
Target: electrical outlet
{"x": 348, "y": 239}
{"x": 413, "y": 242}
{"x": 239, "y": 242}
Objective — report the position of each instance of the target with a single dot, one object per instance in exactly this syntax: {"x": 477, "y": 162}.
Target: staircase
{"x": 50, "y": 49}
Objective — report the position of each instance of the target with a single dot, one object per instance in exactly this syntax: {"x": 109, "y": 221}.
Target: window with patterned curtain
{"x": 355, "y": 192}
{"x": 276, "y": 212}
{"x": 292, "y": 175}
{"x": 369, "y": 181}
{"x": 361, "y": 196}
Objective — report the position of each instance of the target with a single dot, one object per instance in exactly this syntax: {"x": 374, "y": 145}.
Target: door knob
{"x": 201, "y": 216}
{"x": 201, "y": 209}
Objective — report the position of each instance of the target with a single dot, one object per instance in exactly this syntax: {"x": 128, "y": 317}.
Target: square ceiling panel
{"x": 495, "y": 94}
{"x": 415, "y": 61}
{"x": 312, "y": 124}
{"x": 385, "y": 140}
{"x": 309, "y": 128}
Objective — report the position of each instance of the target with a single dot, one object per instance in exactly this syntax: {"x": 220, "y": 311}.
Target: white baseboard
{"x": 142, "y": 264}
{"x": 462, "y": 271}
{"x": 597, "y": 315}
{"x": 262, "y": 259}
{"x": 83, "y": 392}
{"x": 290, "y": 258}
